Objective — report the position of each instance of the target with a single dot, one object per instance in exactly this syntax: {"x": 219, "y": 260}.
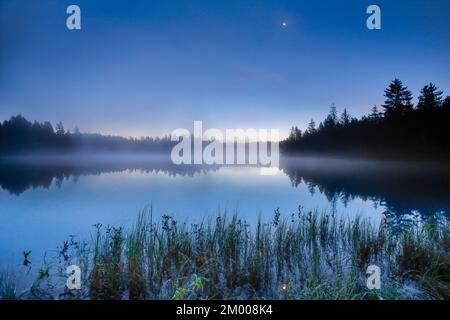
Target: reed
{"x": 7, "y": 286}
{"x": 307, "y": 256}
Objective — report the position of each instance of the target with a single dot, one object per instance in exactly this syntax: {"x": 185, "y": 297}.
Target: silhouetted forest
{"x": 399, "y": 130}
{"x": 18, "y": 135}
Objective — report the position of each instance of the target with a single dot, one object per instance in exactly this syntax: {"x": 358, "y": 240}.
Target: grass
{"x": 7, "y": 287}
{"x": 308, "y": 256}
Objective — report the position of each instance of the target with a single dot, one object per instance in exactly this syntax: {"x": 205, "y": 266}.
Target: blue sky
{"x": 149, "y": 67}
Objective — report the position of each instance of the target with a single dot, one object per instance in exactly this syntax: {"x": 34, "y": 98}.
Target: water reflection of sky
{"x": 41, "y": 219}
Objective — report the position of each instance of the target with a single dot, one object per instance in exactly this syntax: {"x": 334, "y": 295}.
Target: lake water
{"x": 43, "y": 202}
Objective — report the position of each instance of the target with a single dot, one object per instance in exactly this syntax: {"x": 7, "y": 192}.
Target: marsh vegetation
{"x": 311, "y": 255}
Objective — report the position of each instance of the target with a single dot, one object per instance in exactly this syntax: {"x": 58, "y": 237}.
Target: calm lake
{"x": 43, "y": 201}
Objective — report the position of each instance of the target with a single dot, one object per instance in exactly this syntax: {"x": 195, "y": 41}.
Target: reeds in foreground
{"x": 309, "y": 256}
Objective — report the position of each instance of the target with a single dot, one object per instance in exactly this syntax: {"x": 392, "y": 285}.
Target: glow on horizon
{"x": 283, "y": 133}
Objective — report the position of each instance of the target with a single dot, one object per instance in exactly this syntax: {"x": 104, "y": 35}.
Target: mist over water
{"x": 45, "y": 199}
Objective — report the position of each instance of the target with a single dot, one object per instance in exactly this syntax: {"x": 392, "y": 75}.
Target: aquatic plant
{"x": 308, "y": 256}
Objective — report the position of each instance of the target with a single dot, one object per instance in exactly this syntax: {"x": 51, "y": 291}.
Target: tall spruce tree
{"x": 311, "y": 127}
{"x": 398, "y": 98}
{"x": 60, "y": 129}
{"x": 346, "y": 118}
{"x": 430, "y": 98}
{"x": 295, "y": 134}
{"x": 332, "y": 118}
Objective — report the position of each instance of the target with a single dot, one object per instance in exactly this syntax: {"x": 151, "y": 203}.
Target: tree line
{"x": 18, "y": 135}
{"x": 399, "y": 130}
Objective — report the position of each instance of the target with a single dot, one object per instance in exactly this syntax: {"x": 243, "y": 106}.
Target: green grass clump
{"x": 425, "y": 258}
{"x": 7, "y": 287}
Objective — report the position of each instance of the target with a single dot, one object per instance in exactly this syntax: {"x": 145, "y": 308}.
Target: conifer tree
{"x": 60, "y": 131}
{"x": 430, "y": 97}
{"x": 311, "y": 127}
{"x": 398, "y": 98}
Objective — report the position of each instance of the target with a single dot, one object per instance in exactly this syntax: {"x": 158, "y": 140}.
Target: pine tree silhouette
{"x": 311, "y": 127}
{"x": 59, "y": 130}
{"x": 398, "y": 98}
{"x": 430, "y": 98}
